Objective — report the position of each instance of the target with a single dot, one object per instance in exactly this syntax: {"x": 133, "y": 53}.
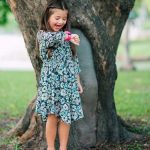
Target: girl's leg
{"x": 63, "y": 131}
{"x": 51, "y": 129}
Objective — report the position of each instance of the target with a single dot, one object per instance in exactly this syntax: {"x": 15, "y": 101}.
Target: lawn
{"x": 132, "y": 93}
{"x": 16, "y": 91}
{"x": 132, "y": 97}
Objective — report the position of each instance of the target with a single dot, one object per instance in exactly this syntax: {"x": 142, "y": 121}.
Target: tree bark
{"x": 102, "y": 23}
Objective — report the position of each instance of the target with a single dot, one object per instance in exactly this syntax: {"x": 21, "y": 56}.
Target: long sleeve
{"x": 48, "y": 40}
{"x": 51, "y": 38}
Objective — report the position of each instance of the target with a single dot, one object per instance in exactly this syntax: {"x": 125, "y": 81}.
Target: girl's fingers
{"x": 80, "y": 89}
{"x": 75, "y": 36}
{"x": 76, "y": 42}
{"x": 75, "y": 39}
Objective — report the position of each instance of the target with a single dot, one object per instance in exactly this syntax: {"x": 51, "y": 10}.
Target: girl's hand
{"x": 75, "y": 39}
{"x": 80, "y": 89}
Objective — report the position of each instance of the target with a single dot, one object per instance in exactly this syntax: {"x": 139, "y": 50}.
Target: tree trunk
{"x": 101, "y": 23}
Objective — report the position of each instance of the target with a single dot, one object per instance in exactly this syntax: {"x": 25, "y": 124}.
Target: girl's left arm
{"x": 77, "y": 71}
{"x": 77, "y": 66}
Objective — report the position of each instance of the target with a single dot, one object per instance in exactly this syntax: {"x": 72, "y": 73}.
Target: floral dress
{"x": 58, "y": 88}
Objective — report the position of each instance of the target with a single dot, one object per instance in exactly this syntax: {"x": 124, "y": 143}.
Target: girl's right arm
{"x": 51, "y": 38}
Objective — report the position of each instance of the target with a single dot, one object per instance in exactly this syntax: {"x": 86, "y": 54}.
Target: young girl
{"x": 59, "y": 90}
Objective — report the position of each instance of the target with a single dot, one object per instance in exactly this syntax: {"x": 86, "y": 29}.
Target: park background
{"x": 132, "y": 89}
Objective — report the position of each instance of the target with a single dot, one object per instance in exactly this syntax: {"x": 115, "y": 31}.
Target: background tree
{"x": 139, "y": 3}
{"x": 127, "y": 61}
{"x": 102, "y": 23}
{"x": 141, "y": 11}
{"x": 4, "y": 11}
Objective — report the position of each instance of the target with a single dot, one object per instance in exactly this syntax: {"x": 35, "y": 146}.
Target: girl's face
{"x": 58, "y": 19}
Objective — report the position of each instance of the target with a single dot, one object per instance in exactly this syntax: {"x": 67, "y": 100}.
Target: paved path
{"x": 13, "y": 54}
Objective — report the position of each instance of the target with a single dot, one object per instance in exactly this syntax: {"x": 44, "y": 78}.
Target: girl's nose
{"x": 61, "y": 21}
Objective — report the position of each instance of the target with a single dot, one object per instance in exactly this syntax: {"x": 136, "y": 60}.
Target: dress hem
{"x": 58, "y": 116}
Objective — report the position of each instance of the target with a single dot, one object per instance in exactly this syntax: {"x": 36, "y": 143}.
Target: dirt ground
{"x": 138, "y": 126}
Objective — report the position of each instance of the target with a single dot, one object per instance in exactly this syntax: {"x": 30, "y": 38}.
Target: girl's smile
{"x": 58, "y": 19}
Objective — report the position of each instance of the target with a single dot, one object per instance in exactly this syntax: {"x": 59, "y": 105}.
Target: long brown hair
{"x": 55, "y": 4}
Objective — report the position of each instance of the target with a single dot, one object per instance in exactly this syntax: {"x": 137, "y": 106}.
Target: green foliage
{"x": 147, "y": 5}
{"x": 135, "y": 146}
{"x": 142, "y": 129}
{"x": 137, "y": 6}
{"x": 4, "y": 11}
{"x": 12, "y": 142}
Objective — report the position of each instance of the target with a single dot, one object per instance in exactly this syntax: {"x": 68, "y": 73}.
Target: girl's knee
{"x": 52, "y": 117}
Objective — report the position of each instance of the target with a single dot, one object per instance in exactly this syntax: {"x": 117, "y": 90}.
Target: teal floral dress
{"x": 58, "y": 89}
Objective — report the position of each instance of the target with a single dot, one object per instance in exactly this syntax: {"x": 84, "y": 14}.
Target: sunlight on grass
{"x": 17, "y": 90}
{"x": 132, "y": 95}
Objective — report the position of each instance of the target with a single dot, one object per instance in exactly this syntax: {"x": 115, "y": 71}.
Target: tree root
{"x": 30, "y": 131}
{"x": 25, "y": 122}
{"x": 30, "y": 127}
{"x": 127, "y": 132}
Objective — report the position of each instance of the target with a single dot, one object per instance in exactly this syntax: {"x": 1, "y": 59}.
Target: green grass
{"x": 132, "y": 95}
{"x": 17, "y": 89}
